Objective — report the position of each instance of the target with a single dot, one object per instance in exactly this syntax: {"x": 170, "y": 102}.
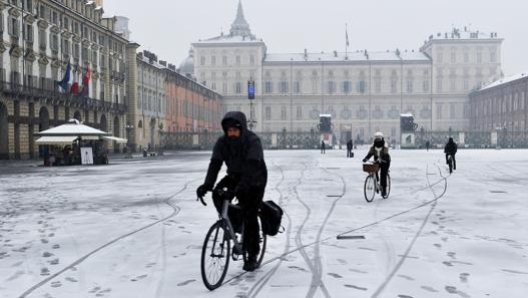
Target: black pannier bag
{"x": 270, "y": 217}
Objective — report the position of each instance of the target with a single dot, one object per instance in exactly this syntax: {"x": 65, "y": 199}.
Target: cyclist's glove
{"x": 202, "y": 190}
{"x": 365, "y": 160}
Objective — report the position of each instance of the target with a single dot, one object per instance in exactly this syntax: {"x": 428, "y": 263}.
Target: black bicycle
{"x": 216, "y": 250}
{"x": 372, "y": 181}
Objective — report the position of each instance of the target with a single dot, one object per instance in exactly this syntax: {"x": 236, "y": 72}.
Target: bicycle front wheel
{"x": 215, "y": 256}
{"x": 369, "y": 189}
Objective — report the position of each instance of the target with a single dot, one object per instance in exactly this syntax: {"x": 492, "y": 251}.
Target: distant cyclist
{"x": 451, "y": 149}
{"x": 380, "y": 151}
{"x": 241, "y": 150}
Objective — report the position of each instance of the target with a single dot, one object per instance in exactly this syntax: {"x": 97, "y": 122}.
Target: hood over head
{"x": 234, "y": 119}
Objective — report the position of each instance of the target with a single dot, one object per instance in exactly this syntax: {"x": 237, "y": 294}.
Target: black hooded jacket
{"x": 451, "y": 147}
{"x": 243, "y": 156}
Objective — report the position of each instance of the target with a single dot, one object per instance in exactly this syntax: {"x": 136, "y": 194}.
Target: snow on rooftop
{"x": 506, "y": 80}
{"x": 342, "y": 56}
{"x": 154, "y": 63}
{"x": 463, "y": 34}
{"x": 229, "y": 39}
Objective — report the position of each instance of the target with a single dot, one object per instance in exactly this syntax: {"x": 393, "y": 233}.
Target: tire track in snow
{"x": 259, "y": 285}
{"x": 405, "y": 255}
{"x": 268, "y": 275}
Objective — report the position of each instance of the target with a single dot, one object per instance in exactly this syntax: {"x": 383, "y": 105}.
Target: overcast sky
{"x": 168, "y": 27}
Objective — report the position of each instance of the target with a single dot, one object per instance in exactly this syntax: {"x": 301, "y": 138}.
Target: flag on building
{"x": 86, "y": 82}
{"x": 66, "y": 79}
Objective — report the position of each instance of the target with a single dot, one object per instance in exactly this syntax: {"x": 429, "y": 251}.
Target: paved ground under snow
{"x": 134, "y": 229}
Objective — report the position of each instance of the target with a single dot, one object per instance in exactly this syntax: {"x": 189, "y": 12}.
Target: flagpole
{"x": 346, "y": 41}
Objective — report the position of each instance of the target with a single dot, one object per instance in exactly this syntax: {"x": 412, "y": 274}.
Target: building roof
{"x": 506, "y": 80}
{"x": 187, "y": 65}
{"x": 240, "y": 31}
{"x": 466, "y": 34}
{"x": 229, "y": 39}
{"x": 352, "y": 56}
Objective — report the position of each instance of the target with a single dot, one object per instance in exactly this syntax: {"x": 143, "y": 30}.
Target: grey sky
{"x": 168, "y": 27}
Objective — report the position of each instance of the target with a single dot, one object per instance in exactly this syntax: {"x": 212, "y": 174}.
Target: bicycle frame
{"x": 374, "y": 186}
{"x": 231, "y": 231}
{"x": 377, "y": 179}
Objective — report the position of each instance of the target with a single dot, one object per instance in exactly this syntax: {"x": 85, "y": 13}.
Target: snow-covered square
{"x": 134, "y": 228}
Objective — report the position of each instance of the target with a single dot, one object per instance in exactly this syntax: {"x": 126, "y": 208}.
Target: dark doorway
{"x": 4, "y": 133}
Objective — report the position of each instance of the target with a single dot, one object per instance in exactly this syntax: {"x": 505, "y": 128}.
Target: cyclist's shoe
{"x": 251, "y": 264}
{"x": 384, "y": 192}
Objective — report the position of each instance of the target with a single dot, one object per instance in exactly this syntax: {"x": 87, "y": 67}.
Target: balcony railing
{"x": 47, "y": 91}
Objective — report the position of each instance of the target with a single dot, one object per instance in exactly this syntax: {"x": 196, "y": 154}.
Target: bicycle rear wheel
{"x": 262, "y": 245}
{"x": 388, "y": 186}
{"x": 369, "y": 189}
{"x": 216, "y": 252}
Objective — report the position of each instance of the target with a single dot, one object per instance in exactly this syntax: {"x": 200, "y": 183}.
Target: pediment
{"x": 15, "y": 51}
{"x": 29, "y": 19}
{"x": 55, "y": 29}
{"x": 30, "y": 56}
{"x": 14, "y": 12}
{"x": 42, "y": 24}
{"x": 43, "y": 60}
{"x": 55, "y": 63}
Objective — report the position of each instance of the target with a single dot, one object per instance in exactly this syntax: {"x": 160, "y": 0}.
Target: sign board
{"x": 251, "y": 89}
{"x": 86, "y": 156}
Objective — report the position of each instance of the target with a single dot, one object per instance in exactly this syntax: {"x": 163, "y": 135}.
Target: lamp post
{"x": 160, "y": 131}
{"x": 129, "y": 127}
{"x": 291, "y": 95}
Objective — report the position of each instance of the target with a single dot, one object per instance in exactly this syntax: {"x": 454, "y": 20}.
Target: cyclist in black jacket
{"x": 451, "y": 149}
{"x": 380, "y": 151}
{"x": 247, "y": 175}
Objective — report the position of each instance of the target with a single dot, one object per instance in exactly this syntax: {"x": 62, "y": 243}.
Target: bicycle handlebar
{"x": 376, "y": 161}
{"x": 220, "y": 192}
{"x": 201, "y": 200}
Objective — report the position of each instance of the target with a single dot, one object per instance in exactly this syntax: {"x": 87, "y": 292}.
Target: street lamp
{"x": 129, "y": 127}
{"x": 291, "y": 95}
